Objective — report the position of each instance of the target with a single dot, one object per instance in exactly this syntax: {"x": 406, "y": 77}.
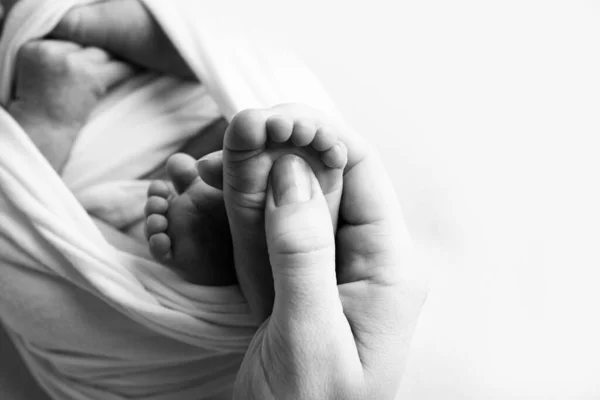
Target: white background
{"x": 487, "y": 114}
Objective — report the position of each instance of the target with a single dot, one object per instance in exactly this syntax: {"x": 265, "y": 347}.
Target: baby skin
{"x": 186, "y": 223}
{"x": 58, "y": 85}
{"x": 178, "y": 226}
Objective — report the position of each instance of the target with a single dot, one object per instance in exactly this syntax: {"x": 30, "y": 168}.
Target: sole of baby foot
{"x": 254, "y": 140}
{"x": 187, "y": 227}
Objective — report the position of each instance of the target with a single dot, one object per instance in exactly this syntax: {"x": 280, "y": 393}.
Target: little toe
{"x": 156, "y": 205}
{"x": 279, "y": 128}
{"x": 336, "y": 157}
{"x": 304, "y": 133}
{"x": 160, "y": 246}
{"x": 160, "y": 189}
{"x": 325, "y": 139}
{"x": 182, "y": 171}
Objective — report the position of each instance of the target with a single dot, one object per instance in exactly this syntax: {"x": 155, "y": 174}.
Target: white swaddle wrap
{"x": 93, "y": 321}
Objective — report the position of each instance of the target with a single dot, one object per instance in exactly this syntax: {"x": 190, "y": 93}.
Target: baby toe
{"x": 160, "y": 189}
{"x": 246, "y": 132}
{"x": 160, "y": 246}
{"x": 156, "y": 223}
{"x": 279, "y": 128}
{"x": 325, "y": 139}
{"x": 181, "y": 169}
{"x": 304, "y": 133}
{"x": 156, "y": 205}
{"x": 335, "y": 157}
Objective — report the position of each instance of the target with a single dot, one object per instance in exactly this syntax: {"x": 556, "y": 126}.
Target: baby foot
{"x": 254, "y": 140}
{"x": 58, "y": 85}
{"x": 187, "y": 227}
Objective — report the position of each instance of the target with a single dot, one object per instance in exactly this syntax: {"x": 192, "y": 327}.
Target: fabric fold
{"x": 79, "y": 306}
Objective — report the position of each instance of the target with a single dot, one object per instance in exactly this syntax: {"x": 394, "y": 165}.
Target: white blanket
{"x": 95, "y": 321}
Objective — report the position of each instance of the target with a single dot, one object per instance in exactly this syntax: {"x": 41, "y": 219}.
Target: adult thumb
{"x": 301, "y": 243}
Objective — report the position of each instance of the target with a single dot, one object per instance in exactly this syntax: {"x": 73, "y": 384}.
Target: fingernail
{"x": 291, "y": 181}
{"x": 205, "y": 160}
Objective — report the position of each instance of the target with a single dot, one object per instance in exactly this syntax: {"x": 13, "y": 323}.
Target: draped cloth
{"x": 92, "y": 318}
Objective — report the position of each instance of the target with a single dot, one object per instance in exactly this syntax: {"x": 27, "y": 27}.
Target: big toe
{"x": 246, "y": 164}
{"x": 210, "y": 169}
{"x": 182, "y": 171}
{"x": 246, "y": 132}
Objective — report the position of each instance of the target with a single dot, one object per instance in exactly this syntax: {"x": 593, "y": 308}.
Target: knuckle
{"x": 29, "y": 53}
{"x": 45, "y": 52}
{"x": 78, "y": 70}
{"x": 40, "y": 54}
{"x": 303, "y": 241}
{"x": 73, "y": 65}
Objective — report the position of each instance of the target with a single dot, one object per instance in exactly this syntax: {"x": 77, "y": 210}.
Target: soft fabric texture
{"x": 92, "y": 318}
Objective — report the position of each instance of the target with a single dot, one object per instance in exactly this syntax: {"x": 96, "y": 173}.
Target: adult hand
{"x": 128, "y": 30}
{"x": 328, "y": 339}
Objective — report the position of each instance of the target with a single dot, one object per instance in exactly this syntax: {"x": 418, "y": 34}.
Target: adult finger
{"x": 374, "y": 248}
{"x": 370, "y": 210}
{"x": 307, "y": 328}
{"x": 300, "y": 243}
